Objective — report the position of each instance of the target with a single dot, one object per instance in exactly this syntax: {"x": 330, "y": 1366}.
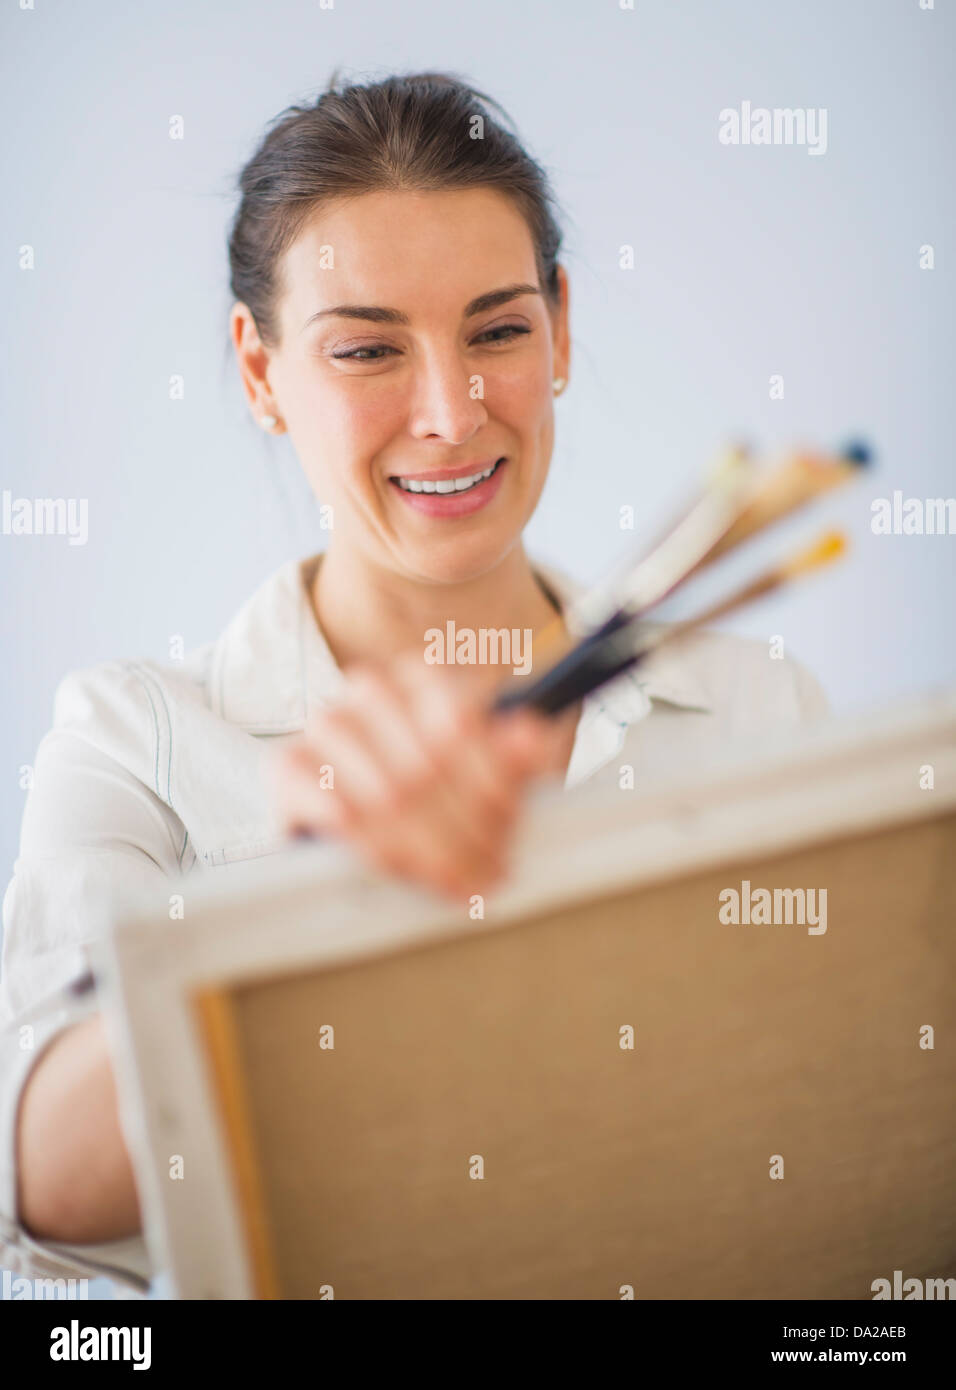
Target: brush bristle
{"x": 856, "y": 451}
{"x": 830, "y": 546}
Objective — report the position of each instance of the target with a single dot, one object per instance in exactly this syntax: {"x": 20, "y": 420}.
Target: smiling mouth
{"x": 447, "y": 486}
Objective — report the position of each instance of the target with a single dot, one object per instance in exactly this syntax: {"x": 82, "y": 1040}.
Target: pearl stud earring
{"x": 268, "y": 422}
{"x": 559, "y": 384}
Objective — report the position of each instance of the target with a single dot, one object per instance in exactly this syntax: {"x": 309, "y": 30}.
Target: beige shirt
{"x": 152, "y": 771}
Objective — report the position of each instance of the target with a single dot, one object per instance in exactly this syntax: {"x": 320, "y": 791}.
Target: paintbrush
{"x": 801, "y": 479}
{"x": 728, "y": 490}
{"x": 737, "y": 502}
{"x": 626, "y": 638}
{"x": 727, "y": 495}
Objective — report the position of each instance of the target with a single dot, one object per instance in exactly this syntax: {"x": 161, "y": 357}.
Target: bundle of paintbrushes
{"x": 613, "y": 624}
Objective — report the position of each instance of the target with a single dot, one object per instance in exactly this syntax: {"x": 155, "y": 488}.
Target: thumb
{"x": 532, "y": 743}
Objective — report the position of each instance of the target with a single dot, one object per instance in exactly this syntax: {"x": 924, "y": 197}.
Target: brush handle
{"x": 598, "y": 658}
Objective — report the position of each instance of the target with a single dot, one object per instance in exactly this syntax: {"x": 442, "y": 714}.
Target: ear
{"x": 561, "y": 328}
{"x": 253, "y": 360}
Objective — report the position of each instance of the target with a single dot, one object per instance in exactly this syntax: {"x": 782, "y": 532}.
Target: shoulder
{"x": 255, "y": 658}
{"x": 113, "y": 729}
{"x": 120, "y": 707}
{"x": 101, "y": 773}
{"x": 746, "y": 679}
{"x": 99, "y": 833}
{"x": 111, "y": 689}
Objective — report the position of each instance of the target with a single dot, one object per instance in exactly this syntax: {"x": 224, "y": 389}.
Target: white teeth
{"x": 447, "y": 484}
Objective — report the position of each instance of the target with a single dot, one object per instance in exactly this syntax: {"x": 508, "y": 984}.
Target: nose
{"x": 448, "y": 400}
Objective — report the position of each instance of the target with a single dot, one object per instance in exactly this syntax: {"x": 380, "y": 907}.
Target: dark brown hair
{"x": 415, "y": 131}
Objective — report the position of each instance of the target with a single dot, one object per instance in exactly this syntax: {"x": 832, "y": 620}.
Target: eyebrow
{"x": 375, "y": 314}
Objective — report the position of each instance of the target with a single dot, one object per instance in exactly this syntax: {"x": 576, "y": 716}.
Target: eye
{"x": 511, "y": 330}
{"x": 353, "y": 353}
{"x": 374, "y": 352}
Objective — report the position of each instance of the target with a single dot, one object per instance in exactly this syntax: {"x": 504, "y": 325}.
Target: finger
{"x": 458, "y": 722}
{"x": 477, "y": 794}
{"x": 339, "y": 737}
{"x": 304, "y": 799}
{"x": 390, "y": 730}
{"x": 426, "y": 821}
{"x": 420, "y": 821}
{"x": 400, "y": 849}
{"x": 533, "y": 744}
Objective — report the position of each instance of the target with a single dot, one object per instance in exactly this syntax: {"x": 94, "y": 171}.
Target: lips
{"x": 460, "y": 470}
{"x": 456, "y": 481}
{"x": 451, "y": 492}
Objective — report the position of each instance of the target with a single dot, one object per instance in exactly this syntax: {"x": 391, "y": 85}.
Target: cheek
{"x": 345, "y": 427}
{"x": 520, "y": 394}
{"x": 369, "y": 419}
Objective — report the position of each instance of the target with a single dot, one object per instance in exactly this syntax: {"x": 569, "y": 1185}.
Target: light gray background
{"x": 750, "y": 261}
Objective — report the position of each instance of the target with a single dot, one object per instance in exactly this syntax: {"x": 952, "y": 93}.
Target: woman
{"x": 401, "y": 315}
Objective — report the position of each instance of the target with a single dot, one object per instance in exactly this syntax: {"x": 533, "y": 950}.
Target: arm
{"x": 75, "y": 1178}
{"x": 97, "y": 842}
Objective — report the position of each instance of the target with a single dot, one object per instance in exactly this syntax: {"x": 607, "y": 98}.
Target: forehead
{"x": 415, "y": 251}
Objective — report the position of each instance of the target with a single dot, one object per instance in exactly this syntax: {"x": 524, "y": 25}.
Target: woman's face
{"x": 416, "y": 344}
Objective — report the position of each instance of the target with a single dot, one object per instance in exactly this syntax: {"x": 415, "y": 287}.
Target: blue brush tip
{"x": 857, "y": 452}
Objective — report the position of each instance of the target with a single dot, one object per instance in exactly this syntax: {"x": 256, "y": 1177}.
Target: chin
{"x": 459, "y": 560}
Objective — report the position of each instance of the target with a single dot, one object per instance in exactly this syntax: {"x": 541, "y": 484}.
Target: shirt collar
{"x": 272, "y": 665}
{"x": 662, "y": 675}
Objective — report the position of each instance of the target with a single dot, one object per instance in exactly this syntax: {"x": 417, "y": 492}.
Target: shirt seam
{"x": 145, "y": 679}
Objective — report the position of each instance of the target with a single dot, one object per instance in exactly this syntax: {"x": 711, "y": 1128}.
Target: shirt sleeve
{"x": 95, "y": 843}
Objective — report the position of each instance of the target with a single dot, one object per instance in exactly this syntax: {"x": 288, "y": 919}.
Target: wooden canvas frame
{"x": 174, "y": 985}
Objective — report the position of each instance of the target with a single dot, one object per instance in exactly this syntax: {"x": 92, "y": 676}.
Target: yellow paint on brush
{"x": 830, "y": 546}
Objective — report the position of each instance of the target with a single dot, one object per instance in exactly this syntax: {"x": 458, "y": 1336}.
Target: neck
{"x": 368, "y": 613}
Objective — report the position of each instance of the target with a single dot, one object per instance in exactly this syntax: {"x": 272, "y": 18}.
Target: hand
{"x": 413, "y": 771}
